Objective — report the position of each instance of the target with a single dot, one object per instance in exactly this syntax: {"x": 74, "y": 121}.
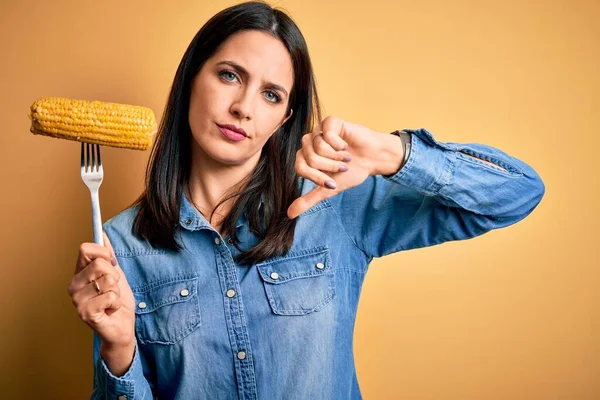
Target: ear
{"x": 284, "y": 121}
{"x": 288, "y": 117}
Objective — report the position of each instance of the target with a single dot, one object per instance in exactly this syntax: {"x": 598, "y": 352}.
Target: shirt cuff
{"x": 429, "y": 166}
{"x": 122, "y": 387}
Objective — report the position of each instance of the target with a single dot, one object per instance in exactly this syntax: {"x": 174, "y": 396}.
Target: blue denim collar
{"x": 192, "y": 219}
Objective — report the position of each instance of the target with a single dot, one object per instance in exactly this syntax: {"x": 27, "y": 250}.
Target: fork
{"x": 92, "y": 175}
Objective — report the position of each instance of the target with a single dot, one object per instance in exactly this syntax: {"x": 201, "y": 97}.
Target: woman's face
{"x": 245, "y": 84}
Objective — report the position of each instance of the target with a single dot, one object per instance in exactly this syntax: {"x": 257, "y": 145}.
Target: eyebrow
{"x": 244, "y": 71}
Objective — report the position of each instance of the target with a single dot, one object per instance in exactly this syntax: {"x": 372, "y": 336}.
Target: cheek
{"x": 204, "y": 102}
{"x": 268, "y": 118}
{"x": 199, "y": 99}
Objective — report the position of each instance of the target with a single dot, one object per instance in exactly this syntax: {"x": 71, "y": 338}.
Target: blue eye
{"x": 228, "y": 75}
{"x": 272, "y": 97}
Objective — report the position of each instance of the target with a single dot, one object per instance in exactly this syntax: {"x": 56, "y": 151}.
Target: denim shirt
{"x": 207, "y": 328}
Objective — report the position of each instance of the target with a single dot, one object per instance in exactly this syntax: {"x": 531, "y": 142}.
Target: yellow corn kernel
{"x": 103, "y": 123}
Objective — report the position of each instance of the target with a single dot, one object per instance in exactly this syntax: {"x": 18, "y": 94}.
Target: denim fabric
{"x": 207, "y": 328}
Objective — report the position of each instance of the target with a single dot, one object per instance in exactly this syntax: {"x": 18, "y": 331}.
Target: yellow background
{"x": 513, "y": 314}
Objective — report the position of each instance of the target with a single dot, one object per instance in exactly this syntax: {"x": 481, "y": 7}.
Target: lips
{"x": 234, "y": 129}
{"x": 232, "y": 132}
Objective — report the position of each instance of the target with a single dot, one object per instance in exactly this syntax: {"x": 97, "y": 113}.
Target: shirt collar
{"x": 189, "y": 217}
{"x": 192, "y": 219}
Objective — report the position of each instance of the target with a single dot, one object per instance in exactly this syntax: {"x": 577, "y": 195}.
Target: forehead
{"x": 264, "y": 56}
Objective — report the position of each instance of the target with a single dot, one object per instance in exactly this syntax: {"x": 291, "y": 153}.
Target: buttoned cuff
{"x": 429, "y": 166}
{"x": 123, "y": 387}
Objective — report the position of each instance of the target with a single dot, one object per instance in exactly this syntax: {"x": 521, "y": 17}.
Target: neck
{"x": 210, "y": 182}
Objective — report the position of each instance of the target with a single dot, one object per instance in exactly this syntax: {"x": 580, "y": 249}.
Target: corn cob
{"x": 110, "y": 124}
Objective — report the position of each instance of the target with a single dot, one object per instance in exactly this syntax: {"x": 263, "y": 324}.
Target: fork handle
{"x": 96, "y": 219}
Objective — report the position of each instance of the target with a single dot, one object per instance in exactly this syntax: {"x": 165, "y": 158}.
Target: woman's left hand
{"x": 340, "y": 155}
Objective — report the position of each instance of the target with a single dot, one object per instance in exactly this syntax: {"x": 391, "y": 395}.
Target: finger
{"x": 89, "y": 252}
{"x": 99, "y": 269}
{"x": 318, "y": 177}
{"x": 94, "y": 271}
{"x": 323, "y": 161}
{"x": 318, "y": 143}
{"x": 105, "y": 301}
{"x": 107, "y": 243}
{"x": 310, "y": 199}
{"x": 332, "y": 128}
{"x": 104, "y": 284}
{"x": 97, "y": 307}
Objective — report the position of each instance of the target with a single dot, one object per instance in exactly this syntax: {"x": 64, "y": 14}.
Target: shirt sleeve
{"x": 133, "y": 385}
{"x": 442, "y": 193}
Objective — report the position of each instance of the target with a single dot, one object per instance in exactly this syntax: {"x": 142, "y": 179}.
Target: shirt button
{"x": 184, "y": 292}
{"x": 320, "y": 265}
{"x": 241, "y": 355}
{"x": 122, "y": 397}
{"x": 274, "y": 275}
{"x": 188, "y": 221}
{"x": 142, "y": 305}
{"x": 229, "y": 241}
{"x": 230, "y": 293}
{"x": 217, "y": 241}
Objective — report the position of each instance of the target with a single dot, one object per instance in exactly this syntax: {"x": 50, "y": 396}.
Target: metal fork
{"x": 92, "y": 175}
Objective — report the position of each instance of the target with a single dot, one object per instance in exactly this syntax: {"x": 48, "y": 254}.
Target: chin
{"x": 233, "y": 160}
{"x": 232, "y": 163}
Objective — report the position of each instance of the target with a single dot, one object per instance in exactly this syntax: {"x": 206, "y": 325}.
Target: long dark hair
{"x": 274, "y": 177}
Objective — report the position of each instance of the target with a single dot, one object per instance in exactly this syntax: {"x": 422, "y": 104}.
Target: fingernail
{"x": 347, "y": 159}
{"x": 330, "y": 184}
{"x": 113, "y": 261}
{"x": 343, "y": 168}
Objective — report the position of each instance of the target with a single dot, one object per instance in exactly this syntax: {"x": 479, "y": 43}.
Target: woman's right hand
{"x": 110, "y": 312}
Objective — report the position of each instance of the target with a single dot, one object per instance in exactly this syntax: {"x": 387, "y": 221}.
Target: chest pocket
{"x": 166, "y": 311}
{"x": 299, "y": 283}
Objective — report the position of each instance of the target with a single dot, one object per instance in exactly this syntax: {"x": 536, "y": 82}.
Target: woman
{"x": 237, "y": 272}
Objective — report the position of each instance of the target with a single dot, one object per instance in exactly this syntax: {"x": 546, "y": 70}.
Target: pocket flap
{"x": 295, "y": 265}
{"x": 161, "y": 293}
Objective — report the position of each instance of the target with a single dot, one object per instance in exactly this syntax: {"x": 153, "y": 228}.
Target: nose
{"x": 241, "y": 108}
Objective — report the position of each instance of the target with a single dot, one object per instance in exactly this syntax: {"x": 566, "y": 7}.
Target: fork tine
{"x": 82, "y": 156}
{"x": 94, "y": 158}
{"x": 87, "y": 156}
{"x": 99, "y": 157}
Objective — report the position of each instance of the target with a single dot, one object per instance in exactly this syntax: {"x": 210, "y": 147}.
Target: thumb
{"x": 114, "y": 261}
{"x": 303, "y": 203}
{"x": 109, "y": 246}
{"x": 123, "y": 280}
